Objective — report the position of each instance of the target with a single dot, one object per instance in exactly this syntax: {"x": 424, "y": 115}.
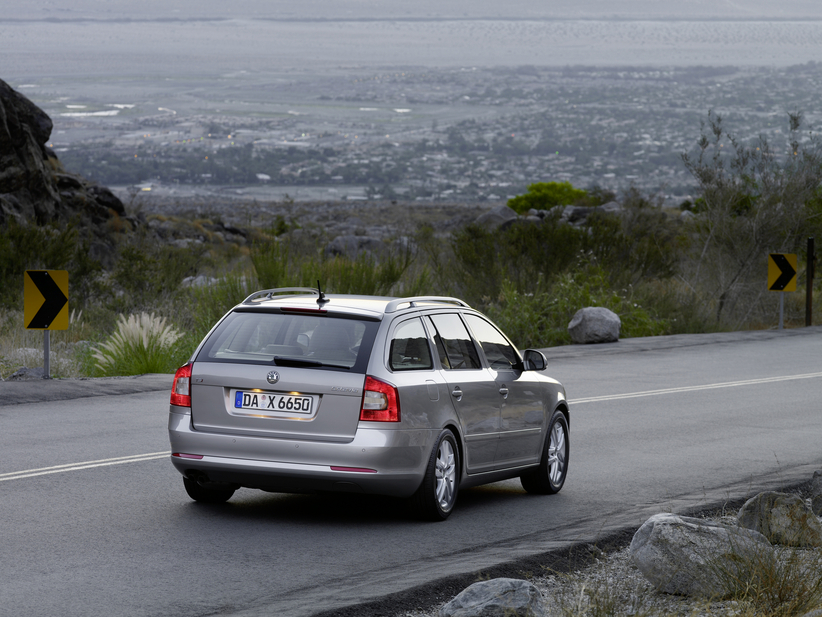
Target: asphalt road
{"x": 94, "y": 520}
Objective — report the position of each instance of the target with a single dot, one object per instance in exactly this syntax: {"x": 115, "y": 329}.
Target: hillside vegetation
{"x": 698, "y": 269}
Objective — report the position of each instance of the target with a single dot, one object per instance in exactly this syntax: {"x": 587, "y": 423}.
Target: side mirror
{"x": 534, "y": 360}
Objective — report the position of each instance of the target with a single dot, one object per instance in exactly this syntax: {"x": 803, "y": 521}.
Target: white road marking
{"x": 712, "y": 386}
{"x": 44, "y": 471}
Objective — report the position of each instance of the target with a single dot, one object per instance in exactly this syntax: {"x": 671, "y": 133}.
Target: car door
{"x": 519, "y": 392}
{"x": 471, "y": 387}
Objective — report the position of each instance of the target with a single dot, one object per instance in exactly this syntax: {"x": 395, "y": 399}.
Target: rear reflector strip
{"x": 181, "y": 455}
{"x": 354, "y": 469}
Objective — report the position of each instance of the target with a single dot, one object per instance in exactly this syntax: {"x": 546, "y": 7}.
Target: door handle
{"x": 504, "y": 391}
{"x": 457, "y": 393}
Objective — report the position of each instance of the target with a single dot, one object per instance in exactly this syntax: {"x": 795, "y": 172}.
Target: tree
{"x": 753, "y": 202}
{"x": 545, "y": 195}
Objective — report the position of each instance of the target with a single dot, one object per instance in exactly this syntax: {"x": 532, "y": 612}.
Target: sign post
{"x": 45, "y": 306}
{"x": 811, "y": 266}
{"x": 782, "y": 278}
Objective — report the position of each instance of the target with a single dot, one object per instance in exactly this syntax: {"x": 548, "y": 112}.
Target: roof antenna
{"x": 322, "y": 299}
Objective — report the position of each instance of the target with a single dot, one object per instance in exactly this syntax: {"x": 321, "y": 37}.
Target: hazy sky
{"x": 412, "y": 9}
{"x": 167, "y": 39}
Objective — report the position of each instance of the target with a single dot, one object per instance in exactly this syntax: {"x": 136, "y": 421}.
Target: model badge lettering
{"x": 340, "y": 389}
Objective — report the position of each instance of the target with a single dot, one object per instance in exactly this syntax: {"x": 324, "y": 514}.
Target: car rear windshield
{"x": 283, "y": 339}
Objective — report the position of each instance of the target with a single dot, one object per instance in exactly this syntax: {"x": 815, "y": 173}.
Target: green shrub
{"x": 50, "y": 247}
{"x": 281, "y": 264}
{"x": 207, "y": 304}
{"x": 540, "y": 318}
{"x": 147, "y": 274}
{"x": 640, "y": 243}
{"x": 520, "y": 254}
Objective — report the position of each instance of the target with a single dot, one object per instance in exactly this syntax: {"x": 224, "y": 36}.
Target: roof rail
{"x": 394, "y": 305}
{"x": 268, "y": 294}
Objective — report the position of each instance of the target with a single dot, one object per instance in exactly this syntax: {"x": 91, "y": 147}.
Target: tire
{"x": 436, "y": 496}
{"x": 549, "y": 476}
{"x": 204, "y": 494}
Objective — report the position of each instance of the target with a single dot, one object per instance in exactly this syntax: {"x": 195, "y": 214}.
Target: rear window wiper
{"x": 299, "y": 362}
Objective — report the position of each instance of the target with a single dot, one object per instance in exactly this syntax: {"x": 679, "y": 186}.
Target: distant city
{"x": 465, "y": 100}
{"x": 430, "y": 134}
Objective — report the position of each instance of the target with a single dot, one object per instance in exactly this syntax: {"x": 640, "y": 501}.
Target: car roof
{"x": 307, "y": 298}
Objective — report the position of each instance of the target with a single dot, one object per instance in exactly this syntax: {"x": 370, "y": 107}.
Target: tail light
{"x": 380, "y": 402}
{"x": 181, "y": 388}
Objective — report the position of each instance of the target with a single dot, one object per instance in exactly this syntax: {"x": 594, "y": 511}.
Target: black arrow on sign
{"x": 55, "y": 300}
{"x": 787, "y": 272}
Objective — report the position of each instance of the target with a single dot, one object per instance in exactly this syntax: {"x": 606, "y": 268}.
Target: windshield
{"x": 291, "y": 339}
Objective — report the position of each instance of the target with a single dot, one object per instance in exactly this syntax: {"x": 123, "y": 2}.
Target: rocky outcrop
{"x": 816, "y": 493}
{"x": 34, "y": 187}
{"x": 782, "y": 518}
{"x": 594, "y": 324}
{"x": 499, "y": 596}
{"x": 695, "y": 557}
{"x": 497, "y": 218}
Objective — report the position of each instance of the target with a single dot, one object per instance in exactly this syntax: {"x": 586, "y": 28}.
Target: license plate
{"x": 263, "y": 401}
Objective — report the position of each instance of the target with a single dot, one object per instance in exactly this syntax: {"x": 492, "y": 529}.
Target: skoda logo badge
{"x": 273, "y": 377}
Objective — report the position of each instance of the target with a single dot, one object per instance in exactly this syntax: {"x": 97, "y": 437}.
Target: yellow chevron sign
{"x": 782, "y": 272}
{"x": 45, "y": 300}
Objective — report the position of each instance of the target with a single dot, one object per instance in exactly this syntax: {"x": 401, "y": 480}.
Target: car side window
{"x": 454, "y": 344}
{"x": 409, "y": 348}
{"x": 497, "y": 349}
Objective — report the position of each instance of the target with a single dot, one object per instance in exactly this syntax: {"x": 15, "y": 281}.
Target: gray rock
{"x": 497, "y": 218}
{"x": 27, "y": 374}
{"x": 782, "y": 518}
{"x": 816, "y": 493}
{"x": 594, "y": 324}
{"x": 497, "y": 598}
{"x": 352, "y": 246}
{"x": 694, "y": 557}
{"x": 578, "y": 214}
{"x": 611, "y": 207}
{"x": 201, "y": 280}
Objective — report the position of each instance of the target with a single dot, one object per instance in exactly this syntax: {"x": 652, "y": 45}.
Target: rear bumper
{"x": 376, "y": 461}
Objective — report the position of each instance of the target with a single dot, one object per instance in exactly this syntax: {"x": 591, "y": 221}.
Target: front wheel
{"x": 549, "y": 476}
{"x": 436, "y": 496}
{"x": 205, "y": 494}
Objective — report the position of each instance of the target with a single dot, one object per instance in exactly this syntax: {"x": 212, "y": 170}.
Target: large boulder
{"x": 498, "y": 218}
{"x": 495, "y": 598}
{"x": 782, "y": 518}
{"x": 594, "y": 324}
{"x": 695, "y": 557}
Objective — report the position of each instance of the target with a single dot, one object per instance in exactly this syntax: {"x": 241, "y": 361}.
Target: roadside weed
{"x": 142, "y": 344}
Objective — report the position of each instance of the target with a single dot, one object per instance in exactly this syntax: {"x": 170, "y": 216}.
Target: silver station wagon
{"x": 298, "y": 391}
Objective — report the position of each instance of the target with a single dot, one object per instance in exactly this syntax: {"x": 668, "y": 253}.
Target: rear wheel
{"x": 549, "y": 476}
{"x": 436, "y": 496}
{"x": 205, "y": 494}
